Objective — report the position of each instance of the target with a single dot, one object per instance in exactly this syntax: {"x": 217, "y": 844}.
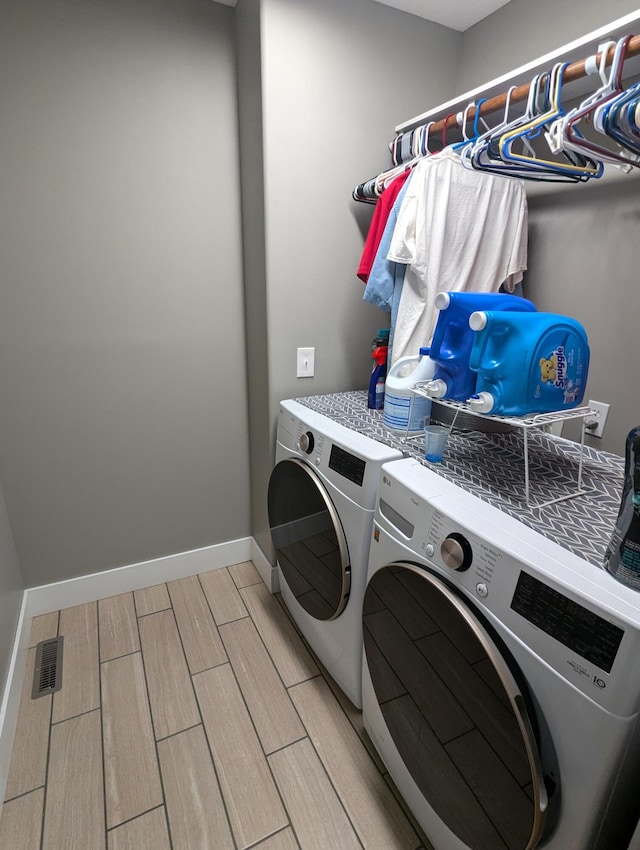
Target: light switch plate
{"x": 305, "y": 362}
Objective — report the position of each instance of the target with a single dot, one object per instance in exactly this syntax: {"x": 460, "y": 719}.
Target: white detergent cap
{"x": 478, "y": 320}
{"x": 436, "y": 389}
{"x": 443, "y": 299}
{"x": 481, "y": 403}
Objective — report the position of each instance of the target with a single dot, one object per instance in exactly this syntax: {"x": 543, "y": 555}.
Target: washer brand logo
{"x": 582, "y": 671}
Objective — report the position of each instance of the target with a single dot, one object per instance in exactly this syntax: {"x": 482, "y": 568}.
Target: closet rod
{"x": 574, "y": 71}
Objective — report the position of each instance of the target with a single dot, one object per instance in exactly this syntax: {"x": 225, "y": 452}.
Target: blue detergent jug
{"x": 527, "y": 362}
{"x": 453, "y": 338}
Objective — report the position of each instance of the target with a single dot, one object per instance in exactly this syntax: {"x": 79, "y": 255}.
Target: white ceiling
{"x": 457, "y": 14}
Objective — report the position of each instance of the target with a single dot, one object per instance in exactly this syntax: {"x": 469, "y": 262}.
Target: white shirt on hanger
{"x": 457, "y": 230}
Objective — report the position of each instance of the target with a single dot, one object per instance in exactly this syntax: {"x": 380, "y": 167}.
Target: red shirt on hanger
{"x": 378, "y": 223}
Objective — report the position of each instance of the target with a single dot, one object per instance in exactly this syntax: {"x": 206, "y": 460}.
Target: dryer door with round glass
{"x": 457, "y": 714}
{"x": 309, "y": 539}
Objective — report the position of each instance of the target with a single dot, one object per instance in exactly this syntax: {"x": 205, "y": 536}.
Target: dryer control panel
{"x": 347, "y": 460}
{"x": 347, "y": 464}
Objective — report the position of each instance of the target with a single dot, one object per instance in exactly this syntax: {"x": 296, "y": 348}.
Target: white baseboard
{"x": 76, "y": 591}
{"x": 12, "y": 692}
{"x": 90, "y": 588}
{"x": 268, "y": 572}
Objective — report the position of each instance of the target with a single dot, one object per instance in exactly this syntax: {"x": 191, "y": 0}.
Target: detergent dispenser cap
{"x": 481, "y": 403}
{"x": 478, "y": 320}
{"x": 437, "y": 388}
{"x": 442, "y": 301}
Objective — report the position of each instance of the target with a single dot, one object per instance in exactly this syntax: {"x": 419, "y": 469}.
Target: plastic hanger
{"x": 567, "y": 133}
{"x": 619, "y": 120}
{"x": 477, "y": 118}
{"x": 463, "y": 123}
{"x": 555, "y": 133}
{"x": 540, "y": 123}
{"x": 480, "y": 155}
{"x": 476, "y": 148}
{"x": 415, "y": 142}
{"x": 484, "y": 155}
{"x": 406, "y": 147}
{"x": 492, "y": 149}
{"x": 411, "y": 151}
{"x": 424, "y": 139}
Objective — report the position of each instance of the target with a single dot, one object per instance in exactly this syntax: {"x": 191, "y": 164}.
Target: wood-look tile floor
{"x": 192, "y": 716}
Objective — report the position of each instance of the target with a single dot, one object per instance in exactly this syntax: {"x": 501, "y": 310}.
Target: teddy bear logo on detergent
{"x": 548, "y": 368}
{"x": 553, "y": 368}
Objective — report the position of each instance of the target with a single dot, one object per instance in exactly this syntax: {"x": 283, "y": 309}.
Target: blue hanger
{"x": 582, "y": 167}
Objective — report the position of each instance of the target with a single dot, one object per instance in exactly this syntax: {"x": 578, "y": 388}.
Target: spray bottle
{"x": 375, "y": 396}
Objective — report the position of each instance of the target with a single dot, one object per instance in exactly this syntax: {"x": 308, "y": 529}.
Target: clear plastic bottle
{"x": 405, "y": 412}
{"x": 622, "y": 558}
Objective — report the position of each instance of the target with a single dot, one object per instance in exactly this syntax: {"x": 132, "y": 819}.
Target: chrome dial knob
{"x": 456, "y": 552}
{"x": 306, "y": 442}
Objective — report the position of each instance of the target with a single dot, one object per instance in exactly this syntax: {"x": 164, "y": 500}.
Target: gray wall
{"x": 582, "y": 245}
{"x": 334, "y": 86}
{"x": 583, "y": 263}
{"x": 11, "y": 588}
{"x": 249, "y": 67}
{"x": 331, "y": 99}
{"x": 522, "y": 31}
{"x": 123, "y": 413}
{"x": 124, "y": 383}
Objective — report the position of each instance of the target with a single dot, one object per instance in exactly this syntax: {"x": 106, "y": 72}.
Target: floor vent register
{"x": 47, "y": 676}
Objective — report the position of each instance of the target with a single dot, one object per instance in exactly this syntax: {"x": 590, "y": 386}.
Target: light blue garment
{"x": 384, "y": 285}
{"x": 386, "y": 279}
{"x": 516, "y": 291}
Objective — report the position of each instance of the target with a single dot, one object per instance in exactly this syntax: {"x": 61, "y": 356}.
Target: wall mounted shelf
{"x": 574, "y": 52}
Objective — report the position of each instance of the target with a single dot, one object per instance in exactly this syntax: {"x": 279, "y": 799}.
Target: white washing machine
{"x": 501, "y": 675}
{"x": 321, "y": 500}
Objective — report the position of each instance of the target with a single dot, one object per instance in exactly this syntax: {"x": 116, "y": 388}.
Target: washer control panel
{"x": 447, "y": 546}
{"x": 586, "y": 633}
{"x": 455, "y": 551}
{"x": 550, "y": 610}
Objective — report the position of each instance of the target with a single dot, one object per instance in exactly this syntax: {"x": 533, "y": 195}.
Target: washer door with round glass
{"x": 309, "y": 539}
{"x": 454, "y": 710}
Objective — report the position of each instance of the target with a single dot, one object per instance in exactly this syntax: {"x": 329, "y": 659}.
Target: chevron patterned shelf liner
{"x": 491, "y": 467}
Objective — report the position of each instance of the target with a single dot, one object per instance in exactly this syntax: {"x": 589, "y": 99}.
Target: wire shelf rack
{"x": 527, "y": 424}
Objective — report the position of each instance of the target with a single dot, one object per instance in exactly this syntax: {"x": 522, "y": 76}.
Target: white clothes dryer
{"x": 321, "y": 500}
{"x": 501, "y": 675}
